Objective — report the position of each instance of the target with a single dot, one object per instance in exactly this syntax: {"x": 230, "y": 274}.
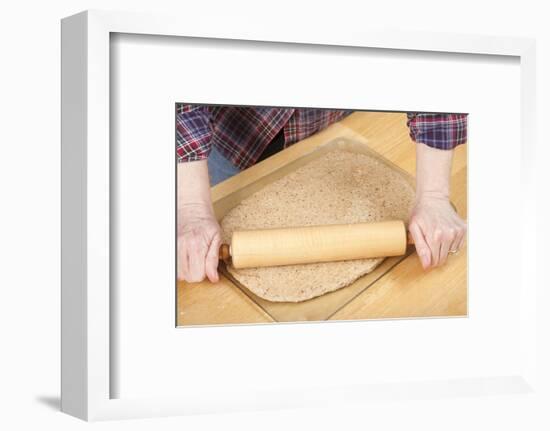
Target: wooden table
{"x": 405, "y": 291}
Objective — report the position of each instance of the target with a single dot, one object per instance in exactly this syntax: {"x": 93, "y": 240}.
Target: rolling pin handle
{"x": 225, "y": 253}
{"x": 410, "y": 240}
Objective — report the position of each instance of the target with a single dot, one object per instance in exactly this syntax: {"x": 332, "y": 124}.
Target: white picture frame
{"x": 88, "y": 340}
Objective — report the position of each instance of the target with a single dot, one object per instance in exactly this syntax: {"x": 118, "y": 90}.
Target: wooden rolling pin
{"x": 330, "y": 243}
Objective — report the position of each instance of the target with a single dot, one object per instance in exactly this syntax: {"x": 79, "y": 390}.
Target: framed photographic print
{"x": 315, "y": 199}
{"x": 256, "y": 218}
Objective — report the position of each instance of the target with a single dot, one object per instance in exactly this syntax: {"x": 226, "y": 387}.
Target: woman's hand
{"x": 199, "y": 239}
{"x": 436, "y": 228}
{"x": 199, "y": 234}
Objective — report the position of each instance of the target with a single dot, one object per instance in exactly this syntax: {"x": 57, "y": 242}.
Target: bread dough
{"x": 337, "y": 188}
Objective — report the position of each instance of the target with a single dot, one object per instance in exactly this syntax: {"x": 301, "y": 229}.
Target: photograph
{"x": 293, "y": 214}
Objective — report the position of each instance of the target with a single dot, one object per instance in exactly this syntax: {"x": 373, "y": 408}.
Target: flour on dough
{"x": 339, "y": 187}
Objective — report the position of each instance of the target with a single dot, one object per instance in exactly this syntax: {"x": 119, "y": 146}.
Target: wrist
{"x": 433, "y": 171}
{"x": 194, "y": 189}
{"x": 427, "y": 195}
{"x": 197, "y": 209}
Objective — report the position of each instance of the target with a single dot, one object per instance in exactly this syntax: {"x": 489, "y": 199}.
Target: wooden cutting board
{"x": 322, "y": 307}
{"x": 401, "y": 290}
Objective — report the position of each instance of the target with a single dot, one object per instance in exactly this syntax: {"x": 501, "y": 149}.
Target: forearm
{"x": 433, "y": 223}
{"x": 433, "y": 172}
{"x": 199, "y": 235}
{"x": 193, "y": 186}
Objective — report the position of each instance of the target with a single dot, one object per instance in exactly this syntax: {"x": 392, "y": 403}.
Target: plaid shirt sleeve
{"x": 193, "y": 133}
{"x": 441, "y": 131}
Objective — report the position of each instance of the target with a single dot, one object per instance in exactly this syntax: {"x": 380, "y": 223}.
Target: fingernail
{"x": 424, "y": 260}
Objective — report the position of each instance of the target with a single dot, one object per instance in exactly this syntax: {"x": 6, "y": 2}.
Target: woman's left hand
{"x": 437, "y": 230}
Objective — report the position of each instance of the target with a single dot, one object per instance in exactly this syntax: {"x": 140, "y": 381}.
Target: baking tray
{"x": 322, "y": 307}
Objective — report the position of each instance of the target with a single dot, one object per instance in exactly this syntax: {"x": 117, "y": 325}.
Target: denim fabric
{"x": 219, "y": 168}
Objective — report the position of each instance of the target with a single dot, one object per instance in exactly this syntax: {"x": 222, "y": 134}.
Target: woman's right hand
{"x": 199, "y": 239}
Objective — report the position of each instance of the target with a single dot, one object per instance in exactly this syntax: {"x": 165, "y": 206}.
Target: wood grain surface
{"x": 404, "y": 291}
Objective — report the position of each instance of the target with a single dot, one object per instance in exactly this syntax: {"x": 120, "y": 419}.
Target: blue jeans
{"x": 219, "y": 168}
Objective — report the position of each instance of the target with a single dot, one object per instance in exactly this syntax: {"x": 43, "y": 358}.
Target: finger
{"x": 455, "y": 244}
{"x": 460, "y": 236}
{"x": 421, "y": 245}
{"x": 434, "y": 242}
{"x": 197, "y": 255}
{"x": 462, "y": 240}
{"x": 183, "y": 267}
{"x": 212, "y": 258}
{"x": 196, "y": 267}
{"x": 445, "y": 247}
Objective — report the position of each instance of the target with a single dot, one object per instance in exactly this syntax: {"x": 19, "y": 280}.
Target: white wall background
{"x": 30, "y": 183}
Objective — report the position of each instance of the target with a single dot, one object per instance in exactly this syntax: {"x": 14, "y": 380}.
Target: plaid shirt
{"x": 241, "y": 134}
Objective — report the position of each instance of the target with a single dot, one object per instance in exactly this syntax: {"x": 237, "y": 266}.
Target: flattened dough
{"x": 338, "y": 187}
